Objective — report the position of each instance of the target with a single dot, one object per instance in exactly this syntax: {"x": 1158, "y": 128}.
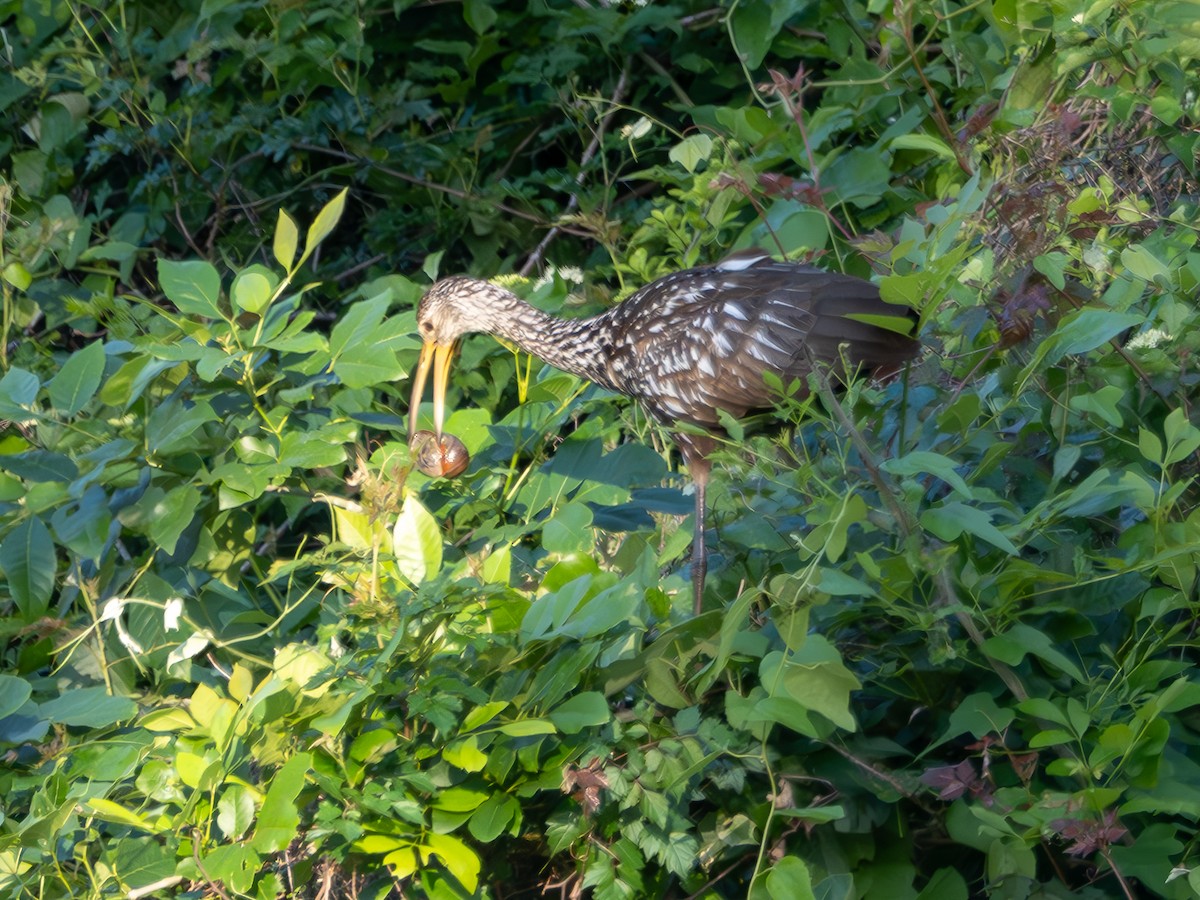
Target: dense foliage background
{"x": 247, "y": 652}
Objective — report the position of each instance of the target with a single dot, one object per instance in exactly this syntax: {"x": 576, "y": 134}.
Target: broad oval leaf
{"x": 581, "y": 711}
{"x": 14, "y": 692}
{"x": 18, "y": 391}
{"x": 78, "y": 379}
{"x": 90, "y": 707}
{"x": 490, "y": 820}
{"x": 27, "y": 558}
{"x": 416, "y": 542}
{"x": 251, "y": 291}
{"x": 1088, "y": 329}
{"x": 192, "y": 285}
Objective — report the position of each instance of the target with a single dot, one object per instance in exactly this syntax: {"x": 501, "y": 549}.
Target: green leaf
{"x": 459, "y": 799}
{"x": 1012, "y": 647}
{"x": 946, "y": 884}
{"x": 17, "y": 275}
{"x": 359, "y": 325}
{"x": 279, "y": 819}
{"x": 416, "y": 542}
{"x": 926, "y": 142}
{"x": 492, "y": 817}
{"x": 171, "y": 425}
{"x": 1150, "y": 446}
{"x": 813, "y": 677}
{"x": 457, "y": 857}
{"x": 789, "y": 879}
{"x": 1183, "y": 438}
{"x": 234, "y": 865}
{"x": 192, "y": 285}
{"x": 753, "y": 28}
{"x": 235, "y": 811}
{"x": 40, "y": 466}
{"x": 251, "y": 290}
{"x": 28, "y": 560}
{"x": 302, "y": 450}
{"x": 1086, "y": 330}
{"x": 90, "y": 707}
{"x": 114, "y": 812}
{"x": 976, "y": 715}
{"x": 1051, "y": 738}
{"x": 1144, "y": 264}
{"x": 481, "y": 715}
{"x": 581, "y": 711}
{"x": 950, "y": 520}
{"x": 920, "y": 462}
{"x": 691, "y": 151}
{"x": 14, "y": 692}
{"x": 325, "y": 222}
{"x": 479, "y": 15}
{"x": 1041, "y": 708}
{"x": 466, "y": 755}
{"x": 78, "y": 379}
{"x": 527, "y": 727}
{"x": 569, "y": 529}
{"x": 287, "y": 238}
{"x": 366, "y": 366}
{"x": 18, "y": 393}
{"x": 83, "y": 526}
{"x": 172, "y": 515}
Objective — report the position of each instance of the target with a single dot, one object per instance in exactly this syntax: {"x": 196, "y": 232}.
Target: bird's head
{"x": 451, "y": 308}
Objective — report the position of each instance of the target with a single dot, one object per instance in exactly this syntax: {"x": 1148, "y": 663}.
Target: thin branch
{"x": 434, "y": 186}
{"x": 589, "y": 153}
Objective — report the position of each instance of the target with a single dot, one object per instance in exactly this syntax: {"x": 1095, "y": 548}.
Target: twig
{"x": 939, "y": 116}
{"x": 434, "y": 186}
{"x": 891, "y": 780}
{"x": 592, "y": 148}
{"x": 355, "y": 269}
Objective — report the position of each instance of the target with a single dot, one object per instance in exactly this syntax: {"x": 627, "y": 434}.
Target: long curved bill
{"x": 438, "y": 357}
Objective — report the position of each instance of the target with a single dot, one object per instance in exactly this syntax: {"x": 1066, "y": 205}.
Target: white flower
{"x": 1148, "y": 340}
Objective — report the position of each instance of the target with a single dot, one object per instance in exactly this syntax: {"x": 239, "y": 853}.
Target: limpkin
{"x": 686, "y": 345}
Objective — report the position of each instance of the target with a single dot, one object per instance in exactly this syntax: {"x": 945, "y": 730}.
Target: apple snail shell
{"x": 439, "y": 459}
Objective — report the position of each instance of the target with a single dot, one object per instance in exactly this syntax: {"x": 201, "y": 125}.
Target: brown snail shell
{"x": 439, "y": 459}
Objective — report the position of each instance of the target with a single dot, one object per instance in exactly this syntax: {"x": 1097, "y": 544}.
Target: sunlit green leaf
{"x": 416, "y": 541}
{"x": 691, "y": 151}
{"x": 287, "y": 238}
{"x": 325, "y": 222}
{"x": 279, "y": 818}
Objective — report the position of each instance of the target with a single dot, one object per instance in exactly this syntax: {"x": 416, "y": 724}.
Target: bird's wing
{"x": 702, "y": 340}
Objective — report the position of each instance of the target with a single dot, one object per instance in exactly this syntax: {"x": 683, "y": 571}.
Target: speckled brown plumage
{"x": 688, "y": 344}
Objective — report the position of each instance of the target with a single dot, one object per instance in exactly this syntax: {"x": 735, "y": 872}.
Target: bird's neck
{"x": 573, "y": 345}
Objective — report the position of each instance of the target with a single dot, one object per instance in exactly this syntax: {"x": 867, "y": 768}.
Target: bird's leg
{"x": 699, "y": 468}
